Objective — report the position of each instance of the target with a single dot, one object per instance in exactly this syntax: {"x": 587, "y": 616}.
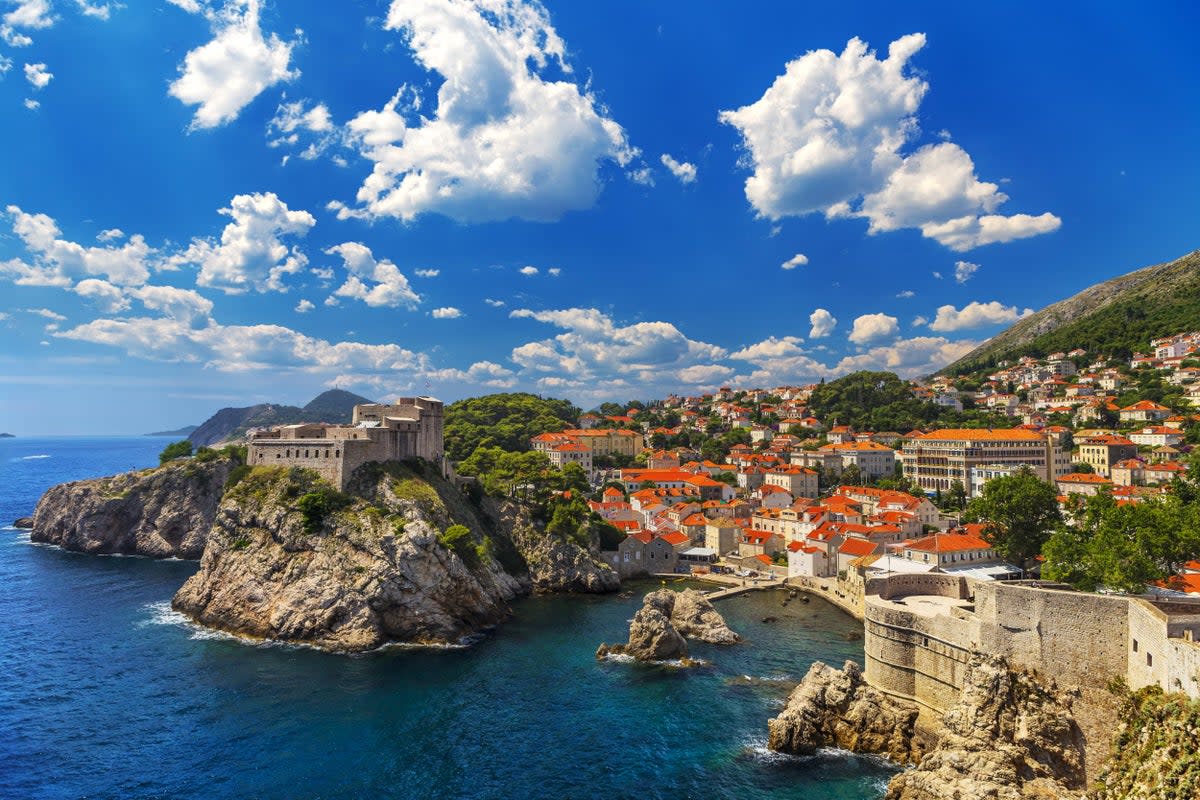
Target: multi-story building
{"x": 937, "y": 459}
{"x": 1101, "y": 452}
{"x": 872, "y": 459}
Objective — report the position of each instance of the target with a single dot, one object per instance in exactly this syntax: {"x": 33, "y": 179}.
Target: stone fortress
{"x": 412, "y": 427}
{"x": 921, "y": 630}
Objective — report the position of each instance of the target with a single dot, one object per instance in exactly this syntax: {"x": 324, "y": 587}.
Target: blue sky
{"x": 209, "y": 203}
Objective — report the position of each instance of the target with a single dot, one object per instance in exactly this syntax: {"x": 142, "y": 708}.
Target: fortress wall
{"x": 1172, "y": 663}
{"x": 915, "y": 656}
{"x": 936, "y": 584}
{"x": 322, "y": 456}
{"x": 1072, "y": 638}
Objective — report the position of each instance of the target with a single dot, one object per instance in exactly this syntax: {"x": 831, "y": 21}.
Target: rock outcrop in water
{"x": 837, "y": 708}
{"x": 1009, "y": 737}
{"x": 161, "y": 513}
{"x": 658, "y": 629}
{"x": 23, "y": 523}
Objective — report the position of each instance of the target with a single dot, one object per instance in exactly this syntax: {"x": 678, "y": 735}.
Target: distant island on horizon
{"x": 186, "y": 430}
{"x": 7, "y": 436}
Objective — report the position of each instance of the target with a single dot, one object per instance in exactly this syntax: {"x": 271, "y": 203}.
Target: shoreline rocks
{"x": 837, "y": 708}
{"x": 23, "y": 523}
{"x": 658, "y": 630}
{"x": 160, "y": 513}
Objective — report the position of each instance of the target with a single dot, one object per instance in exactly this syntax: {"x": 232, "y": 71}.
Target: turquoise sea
{"x": 105, "y": 693}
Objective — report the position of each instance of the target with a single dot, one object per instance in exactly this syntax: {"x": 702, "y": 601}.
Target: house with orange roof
{"x": 771, "y": 496}
{"x": 570, "y": 453}
{"x": 939, "y": 459}
{"x": 872, "y": 459}
{"x": 1164, "y": 472}
{"x": 1157, "y": 436}
{"x": 1144, "y": 411}
{"x": 852, "y": 548}
{"x": 805, "y": 559}
{"x": 1128, "y": 472}
{"x": 960, "y": 551}
{"x": 756, "y": 542}
{"x": 1085, "y": 483}
{"x": 799, "y": 481}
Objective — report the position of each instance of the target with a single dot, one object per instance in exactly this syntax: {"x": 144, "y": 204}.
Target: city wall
{"x": 920, "y": 632}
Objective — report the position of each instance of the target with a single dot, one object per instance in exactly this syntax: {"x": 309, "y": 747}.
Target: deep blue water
{"x": 104, "y": 693}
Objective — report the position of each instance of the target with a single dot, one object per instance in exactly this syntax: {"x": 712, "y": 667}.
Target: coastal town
{"x": 795, "y": 495}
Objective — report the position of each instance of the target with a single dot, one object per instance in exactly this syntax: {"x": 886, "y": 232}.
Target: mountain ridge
{"x": 1111, "y": 318}
{"x": 332, "y": 406}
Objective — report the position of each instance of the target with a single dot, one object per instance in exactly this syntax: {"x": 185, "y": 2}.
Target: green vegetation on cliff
{"x": 1155, "y": 754}
{"x": 881, "y": 401}
{"x": 506, "y": 421}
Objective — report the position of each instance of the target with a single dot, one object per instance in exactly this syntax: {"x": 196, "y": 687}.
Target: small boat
{"x": 770, "y": 619}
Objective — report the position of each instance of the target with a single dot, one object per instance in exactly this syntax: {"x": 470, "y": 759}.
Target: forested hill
{"x": 334, "y": 406}
{"x": 506, "y": 421}
{"x": 1115, "y": 318}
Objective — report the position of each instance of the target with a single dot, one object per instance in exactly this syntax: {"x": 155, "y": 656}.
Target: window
{"x": 1149, "y": 660}
{"x": 1135, "y": 645}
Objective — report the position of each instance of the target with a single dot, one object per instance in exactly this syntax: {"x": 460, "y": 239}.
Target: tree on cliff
{"x": 1019, "y": 513}
{"x": 180, "y": 449}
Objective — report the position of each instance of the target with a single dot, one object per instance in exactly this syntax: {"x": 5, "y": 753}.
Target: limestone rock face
{"x": 652, "y": 637}
{"x": 658, "y": 629}
{"x": 363, "y": 575}
{"x": 837, "y": 708}
{"x": 554, "y": 564}
{"x": 1008, "y": 738}
{"x": 160, "y": 513}
{"x": 694, "y": 616}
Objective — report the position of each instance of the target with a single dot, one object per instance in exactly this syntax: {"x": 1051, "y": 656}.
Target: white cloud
{"x": 427, "y": 273}
{"x": 103, "y": 11}
{"x": 5, "y": 65}
{"x": 963, "y": 270}
{"x": 975, "y": 315}
{"x": 937, "y": 275}
{"x": 110, "y": 234}
{"x": 35, "y": 14}
{"x": 295, "y": 120}
{"x": 554, "y": 272}
{"x": 798, "y": 260}
{"x": 920, "y": 320}
{"x": 37, "y": 76}
{"x": 528, "y": 271}
{"x": 907, "y": 293}
{"x": 57, "y": 261}
{"x": 909, "y": 357}
{"x": 870, "y": 327}
{"x": 511, "y": 135}
{"x": 182, "y": 305}
{"x": 829, "y": 136}
{"x": 190, "y": 6}
{"x": 225, "y": 75}
{"x": 31, "y": 104}
{"x": 449, "y": 312}
{"x": 822, "y": 322}
{"x": 108, "y": 298}
{"x": 251, "y": 253}
{"x": 494, "y": 303}
{"x": 376, "y": 283}
{"x": 45, "y": 312}
{"x": 593, "y": 347}
{"x": 481, "y": 373}
{"x": 304, "y": 306}
{"x": 685, "y": 172}
{"x": 771, "y": 347}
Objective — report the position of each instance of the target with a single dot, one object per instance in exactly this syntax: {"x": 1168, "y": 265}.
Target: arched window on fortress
{"x": 289, "y": 452}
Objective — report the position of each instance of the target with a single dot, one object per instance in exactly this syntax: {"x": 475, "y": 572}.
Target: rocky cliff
{"x": 553, "y": 564}
{"x": 837, "y": 708}
{"x": 162, "y": 513}
{"x": 1155, "y": 754}
{"x": 289, "y": 559}
{"x": 1009, "y": 737}
{"x": 657, "y": 632}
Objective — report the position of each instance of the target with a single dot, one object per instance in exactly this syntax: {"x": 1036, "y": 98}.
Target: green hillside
{"x": 1113, "y": 319}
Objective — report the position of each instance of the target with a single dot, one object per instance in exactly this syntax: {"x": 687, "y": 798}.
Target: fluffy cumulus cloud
{"x": 594, "y": 347}
{"x": 871, "y": 327}
{"x": 297, "y": 118}
{"x": 481, "y": 373}
{"x": 528, "y": 271}
{"x": 822, "y": 323}
{"x": 921, "y": 355}
{"x": 102, "y": 294}
{"x": 963, "y": 270}
{"x": 975, "y": 315}
{"x": 378, "y": 283}
{"x": 304, "y": 306}
{"x": 685, "y": 172}
{"x": 830, "y": 136}
{"x": 38, "y": 76}
{"x": 223, "y": 76}
{"x": 511, "y": 136}
{"x": 251, "y": 254}
{"x": 798, "y": 260}
{"x": 55, "y": 261}
{"x": 24, "y": 15}
{"x": 448, "y": 312}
